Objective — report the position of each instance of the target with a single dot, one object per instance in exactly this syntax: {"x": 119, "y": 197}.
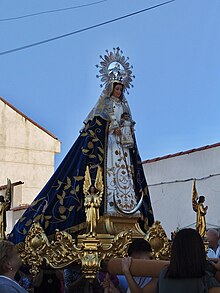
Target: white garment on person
{"x": 120, "y": 186}
{"x": 141, "y": 282}
{"x": 213, "y": 254}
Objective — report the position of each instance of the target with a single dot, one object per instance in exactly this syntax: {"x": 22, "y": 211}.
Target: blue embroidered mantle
{"x": 60, "y": 204}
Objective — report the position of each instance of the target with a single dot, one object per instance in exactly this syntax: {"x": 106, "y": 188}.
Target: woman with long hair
{"x": 187, "y": 269}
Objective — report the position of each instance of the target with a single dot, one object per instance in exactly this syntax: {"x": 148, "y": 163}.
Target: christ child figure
{"x": 127, "y": 130}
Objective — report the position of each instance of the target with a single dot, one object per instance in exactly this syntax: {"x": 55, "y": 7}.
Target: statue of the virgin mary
{"x": 107, "y": 140}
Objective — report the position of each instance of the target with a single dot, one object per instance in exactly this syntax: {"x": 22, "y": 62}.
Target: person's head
{"x": 201, "y": 199}
{"x": 212, "y": 238}
{"x": 117, "y": 90}
{"x": 188, "y": 257}
{"x": 125, "y": 116}
{"x": 10, "y": 261}
{"x": 140, "y": 249}
{"x": 2, "y": 199}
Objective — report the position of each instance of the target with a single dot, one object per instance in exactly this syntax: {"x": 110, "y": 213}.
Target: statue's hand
{"x": 118, "y": 131}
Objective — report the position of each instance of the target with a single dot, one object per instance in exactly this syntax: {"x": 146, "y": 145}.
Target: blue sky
{"x": 174, "y": 50}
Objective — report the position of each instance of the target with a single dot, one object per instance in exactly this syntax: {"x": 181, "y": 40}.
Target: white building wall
{"x": 171, "y": 201}
{"x": 26, "y": 153}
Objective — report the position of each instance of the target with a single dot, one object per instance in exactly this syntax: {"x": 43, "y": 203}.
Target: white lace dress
{"x": 120, "y": 188}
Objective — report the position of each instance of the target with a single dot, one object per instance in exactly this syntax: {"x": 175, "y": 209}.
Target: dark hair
{"x": 93, "y": 187}
{"x": 123, "y": 114}
{"x": 139, "y": 245}
{"x": 2, "y": 199}
{"x": 188, "y": 258}
{"x": 201, "y": 199}
{"x": 116, "y": 83}
{"x": 6, "y": 252}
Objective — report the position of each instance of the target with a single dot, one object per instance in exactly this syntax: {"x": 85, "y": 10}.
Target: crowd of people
{"x": 190, "y": 269}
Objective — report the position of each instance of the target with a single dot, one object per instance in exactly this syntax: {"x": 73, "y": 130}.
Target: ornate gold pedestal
{"x": 106, "y": 237}
{"x": 90, "y": 250}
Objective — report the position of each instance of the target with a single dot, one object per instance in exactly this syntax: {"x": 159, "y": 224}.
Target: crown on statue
{"x": 114, "y": 67}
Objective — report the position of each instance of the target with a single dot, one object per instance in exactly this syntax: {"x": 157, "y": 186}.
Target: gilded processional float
{"x": 97, "y": 200}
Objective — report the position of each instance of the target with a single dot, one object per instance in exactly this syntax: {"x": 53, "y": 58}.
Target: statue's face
{"x": 126, "y": 117}
{"x": 117, "y": 91}
{"x": 92, "y": 189}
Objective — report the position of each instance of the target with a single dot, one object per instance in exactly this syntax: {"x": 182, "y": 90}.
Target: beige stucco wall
{"x": 26, "y": 153}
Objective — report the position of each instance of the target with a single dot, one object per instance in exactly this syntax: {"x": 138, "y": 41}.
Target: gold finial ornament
{"x": 159, "y": 242}
{"x": 32, "y": 252}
